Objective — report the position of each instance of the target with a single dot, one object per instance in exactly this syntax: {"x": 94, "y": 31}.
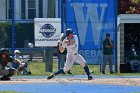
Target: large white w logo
{"x": 92, "y": 15}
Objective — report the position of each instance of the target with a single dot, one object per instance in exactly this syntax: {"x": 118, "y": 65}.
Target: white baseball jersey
{"x": 72, "y": 54}
{"x": 71, "y": 48}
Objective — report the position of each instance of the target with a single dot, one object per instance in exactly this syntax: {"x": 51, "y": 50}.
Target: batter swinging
{"x": 71, "y": 44}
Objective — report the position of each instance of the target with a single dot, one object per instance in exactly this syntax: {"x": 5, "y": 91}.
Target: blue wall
{"x": 91, "y": 20}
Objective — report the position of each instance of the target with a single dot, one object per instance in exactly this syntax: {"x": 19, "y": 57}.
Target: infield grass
{"x": 38, "y": 69}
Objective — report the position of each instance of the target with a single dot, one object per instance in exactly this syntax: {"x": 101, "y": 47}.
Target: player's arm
{"x": 111, "y": 43}
{"x": 10, "y": 59}
{"x": 108, "y": 46}
{"x": 61, "y": 49}
{"x": 105, "y": 45}
{"x": 62, "y": 46}
{"x": 17, "y": 61}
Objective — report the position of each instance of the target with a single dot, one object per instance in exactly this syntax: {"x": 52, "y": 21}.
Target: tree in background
{"x": 129, "y": 7}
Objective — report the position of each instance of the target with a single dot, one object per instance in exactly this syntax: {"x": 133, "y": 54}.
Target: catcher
{"x": 6, "y": 71}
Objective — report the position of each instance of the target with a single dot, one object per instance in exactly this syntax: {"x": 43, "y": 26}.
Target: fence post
{"x": 13, "y": 29}
{"x": 116, "y": 51}
{"x": 44, "y": 54}
{"x": 49, "y": 60}
{"x": 62, "y": 16}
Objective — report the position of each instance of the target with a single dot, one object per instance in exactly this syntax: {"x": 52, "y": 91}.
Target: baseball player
{"x": 71, "y": 44}
{"x": 62, "y": 55}
{"x": 7, "y": 72}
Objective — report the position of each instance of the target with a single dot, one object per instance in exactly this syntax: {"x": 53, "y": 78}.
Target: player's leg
{"x": 105, "y": 58}
{"x": 68, "y": 65}
{"x": 83, "y": 63}
{"x": 69, "y": 71}
{"x": 62, "y": 60}
{"x": 55, "y": 73}
{"x": 7, "y": 73}
{"x": 4, "y": 72}
{"x": 110, "y": 64}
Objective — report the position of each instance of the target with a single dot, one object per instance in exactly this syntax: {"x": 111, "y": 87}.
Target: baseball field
{"x": 75, "y": 83}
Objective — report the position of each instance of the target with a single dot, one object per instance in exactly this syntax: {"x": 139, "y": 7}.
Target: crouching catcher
{"x": 5, "y": 59}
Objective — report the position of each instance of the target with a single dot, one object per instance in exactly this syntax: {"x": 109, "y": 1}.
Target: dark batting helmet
{"x": 69, "y": 31}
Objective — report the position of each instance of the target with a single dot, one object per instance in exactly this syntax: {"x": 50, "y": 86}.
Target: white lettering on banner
{"x": 92, "y": 56}
{"x": 47, "y": 31}
{"x": 90, "y": 53}
{"x": 93, "y": 16}
{"x": 46, "y": 39}
{"x": 44, "y": 30}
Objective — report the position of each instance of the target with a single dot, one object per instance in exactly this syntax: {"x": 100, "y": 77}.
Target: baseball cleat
{"x": 89, "y": 77}
{"x": 50, "y": 76}
{"x": 103, "y": 72}
{"x": 69, "y": 72}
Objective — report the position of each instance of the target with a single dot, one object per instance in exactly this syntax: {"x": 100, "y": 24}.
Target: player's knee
{"x": 83, "y": 64}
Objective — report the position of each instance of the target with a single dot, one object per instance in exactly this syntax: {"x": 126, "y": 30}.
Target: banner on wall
{"x": 91, "y": 20}
{"x": 47, "y": 31}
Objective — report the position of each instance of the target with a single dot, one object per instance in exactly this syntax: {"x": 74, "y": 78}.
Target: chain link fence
{"x": 20, "y": 15}
{"x": 17, "y": 22}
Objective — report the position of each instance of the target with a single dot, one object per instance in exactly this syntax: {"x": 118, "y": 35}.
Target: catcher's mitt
{"x": 17, "y": 61}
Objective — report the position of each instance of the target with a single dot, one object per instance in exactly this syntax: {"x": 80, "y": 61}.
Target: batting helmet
{"x": 69, "y": 31}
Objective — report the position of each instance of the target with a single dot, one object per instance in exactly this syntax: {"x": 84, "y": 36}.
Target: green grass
{"x": 38, "y": 69}
{"x": 10, "y": 92}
